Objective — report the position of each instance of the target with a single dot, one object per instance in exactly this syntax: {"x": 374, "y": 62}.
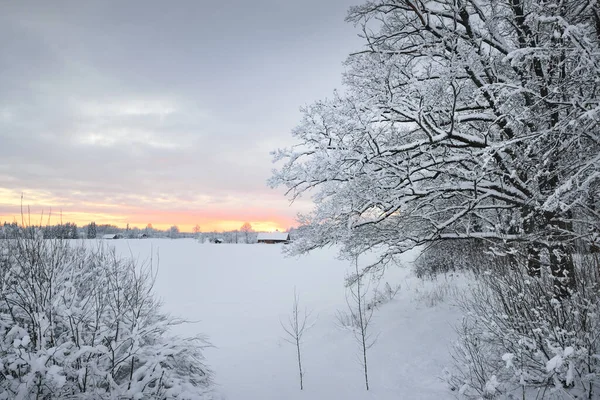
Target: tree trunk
{"x": 563, "y": 270}
{"x": 534, "y": 266}
{"x": 530, "y": 226}
{"x": 299, "y": 363}
{"x": 561, "y": 254}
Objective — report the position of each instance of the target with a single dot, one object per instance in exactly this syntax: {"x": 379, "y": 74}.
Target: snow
{"x": 554, "y": 363}
{"x": 508, "y": 359}
{"x": 278, "y": 236}
{"x": 237, "y": 294}
{"x": 491, "y": 386}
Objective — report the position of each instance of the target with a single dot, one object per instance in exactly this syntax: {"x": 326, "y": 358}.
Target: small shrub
{"x": 384, "y": 296}
{"x": 437, "y": 293}
{"x": 345, "y": 320}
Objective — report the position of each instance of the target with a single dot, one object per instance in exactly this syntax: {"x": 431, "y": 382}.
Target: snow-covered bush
{"x": 82, "y": 323}
{"x": 519, "y": 339}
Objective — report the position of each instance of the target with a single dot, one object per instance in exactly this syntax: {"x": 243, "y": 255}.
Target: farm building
{"x": 273, "y": 237}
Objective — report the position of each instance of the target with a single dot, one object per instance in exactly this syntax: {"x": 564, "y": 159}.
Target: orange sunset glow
{"x": 41, "y": 209}
{"x": 159, "y": 220}
{"x": 149, "y": 130}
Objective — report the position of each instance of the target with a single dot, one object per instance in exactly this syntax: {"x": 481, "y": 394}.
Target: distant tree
{"x": 174, "y": 232}
{"x": 71, "y": 231}
{"x": 246, "y": 229}
{"x": 133, "y": 233}
{"x": 106, "y": 229}
{"x": 11, "y": 230}
{"x": 57, "y": 231}
{"x": 197, "y": 232}
{"x": 212, "y": 236}
{"x": 229, "y": 237}
{"x": 91, "y": 230}
{"x": 61, "y": 231}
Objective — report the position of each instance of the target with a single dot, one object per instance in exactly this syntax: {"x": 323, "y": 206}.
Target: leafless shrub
{"x": 518, "y": 338}
{"x": 381, "y": 297}
{"x": 83, "y": 323}
{"x": 297, "y": 324}
{"x": 345, "y": 320}
{"x": 437, "y": 293}
{"x": 358, "y": 318}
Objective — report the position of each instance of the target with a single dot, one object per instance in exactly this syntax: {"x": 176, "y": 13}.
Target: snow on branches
{"x": 459, "y": 119}
{"x": 78, "y": 322}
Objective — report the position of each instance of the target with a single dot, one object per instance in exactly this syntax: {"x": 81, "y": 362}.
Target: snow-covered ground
{"x": 239, "y": 293}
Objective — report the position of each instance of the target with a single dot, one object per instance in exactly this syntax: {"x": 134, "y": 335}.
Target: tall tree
{"x": 246, "y": 229}
{"x": 149, "y": 230}
{"x": 459, "y": 119}
{"x": 174, "y": 232}
{"x": 91, "y": 230}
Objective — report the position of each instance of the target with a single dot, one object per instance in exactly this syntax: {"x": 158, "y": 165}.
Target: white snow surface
{"x": 273, "y": 236}
{"x": 239, "y": 293}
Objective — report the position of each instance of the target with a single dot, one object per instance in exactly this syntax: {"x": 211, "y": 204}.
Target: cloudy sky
{"x": 159, "y": 112}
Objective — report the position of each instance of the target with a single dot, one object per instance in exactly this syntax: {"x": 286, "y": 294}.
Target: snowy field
{"x": 239, "y": 293}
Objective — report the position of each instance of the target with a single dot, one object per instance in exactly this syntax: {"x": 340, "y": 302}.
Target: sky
{"x": 159, "y": 112}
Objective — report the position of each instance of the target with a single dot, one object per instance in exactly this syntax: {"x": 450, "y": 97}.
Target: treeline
{"x": 60, "y": 231}
{"x": 235, "y": 236}
{"x": 92, "y": 230}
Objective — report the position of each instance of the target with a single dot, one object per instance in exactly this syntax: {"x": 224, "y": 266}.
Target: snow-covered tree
{"x": 174, "y": 232}
{"x": 91, "y": 230}
{"x": 247, "y": 230}
{"x": 196, "y": 230}
{"x": 459, "y": 119}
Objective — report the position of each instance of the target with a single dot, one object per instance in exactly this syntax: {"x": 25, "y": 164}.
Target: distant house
{"x": 273, "y": 237}
{"x": 218, "y": 241}
{"x": 112, "y": 236}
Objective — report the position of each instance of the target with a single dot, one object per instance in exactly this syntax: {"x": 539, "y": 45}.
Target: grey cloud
{"x": 153, "y": 98}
